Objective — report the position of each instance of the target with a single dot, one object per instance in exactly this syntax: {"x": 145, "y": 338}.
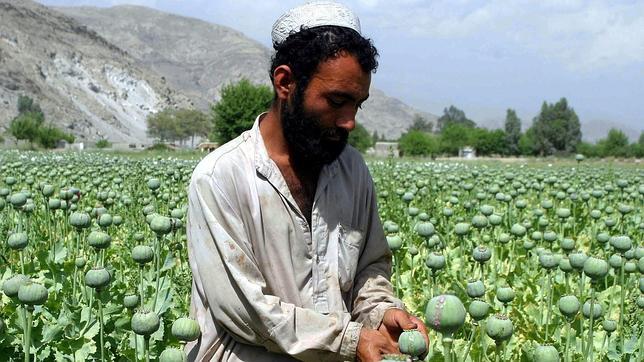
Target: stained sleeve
{"x": 227, "y": 277}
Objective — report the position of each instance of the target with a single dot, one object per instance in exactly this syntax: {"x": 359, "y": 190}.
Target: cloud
{"x": 582, "y": 35}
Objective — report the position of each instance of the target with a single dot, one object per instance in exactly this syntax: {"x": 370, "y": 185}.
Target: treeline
{"x": 29, "y": 125}
{"x": 554, "y": 131}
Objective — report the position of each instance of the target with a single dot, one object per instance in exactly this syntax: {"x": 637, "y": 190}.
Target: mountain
{"x": 197, "y": 58}
{"x": 84, "y": 83}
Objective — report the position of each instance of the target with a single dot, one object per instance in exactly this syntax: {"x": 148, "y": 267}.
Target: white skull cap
{"x": 311, "y": 15}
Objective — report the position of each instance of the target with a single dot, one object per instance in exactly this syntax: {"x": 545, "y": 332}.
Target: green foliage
{"x": 527, "y": 143}
{"x": 455, "y": 136}
{"x": 512, "y": 132}
{"x": 360, "y": 138}
{"x": 1, "y": 139}
{"x": 453, "y": 115}
{"x": 487, "y": 142}
{"x": 240, "y": 104}
{"x": 103, "y": 143}
{"x": 417, "y": 143}
{"x": 172, "y": 125}
{"x": 588, "y": 149}
{"x": 419, "y": 123}
{"x": 26, "y": 126}
{"x": 48, "y": 136}
{"x": 29, "y": 125}
{"x": 615, "y": 144}
{"x": 26, "y": 104}
{"x": 556, "y": 128}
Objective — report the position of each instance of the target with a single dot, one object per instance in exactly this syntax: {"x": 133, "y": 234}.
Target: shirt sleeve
{"x": 228, "y": 279}
{"x": 372, "y": 287}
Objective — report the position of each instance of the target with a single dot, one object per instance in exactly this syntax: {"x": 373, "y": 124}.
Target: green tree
{"x": 417, "y": 143}
{"x": 48, "y": 136}
{"x": 487, "y": 142}
{"x": 587, "y": 149}
{"x": 164, "y": 126}
{"x": 103, "y": 143}
{"x": 615, "y": 144}
{"x": 238, "y": 107}
{"x": 455, "y": 136}
{"x": 453, "y": 115}
{"x": 527, "y": 143}
{"x": 192, "y": 123}
{"x": 26, "y": 126}
{"x": 26, "y": 104}
{"x": 512, "y": 132}
{"x": 1, "y": 139}
{"x": 360, "y": 138}
{"x": 556, "y": 128}
{"x": 419, "y": 123}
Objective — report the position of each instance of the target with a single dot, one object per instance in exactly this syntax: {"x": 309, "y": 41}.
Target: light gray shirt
{"x": 267, "y": 286}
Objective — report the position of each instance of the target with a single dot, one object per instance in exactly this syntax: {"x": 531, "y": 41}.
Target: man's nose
{"x": 347, "y": 121}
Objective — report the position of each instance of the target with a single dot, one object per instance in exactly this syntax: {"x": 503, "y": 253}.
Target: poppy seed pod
{"x": 569, "y": 305}
{"x": 595, "y": 268}
{"x": 518, "y": 230}
{"x": 445, "y": 314}
{"x": 481, "y": 253}
{"x": 597, "y": 309}
{"x": 18, "y": 241}
{"x": 424, "y": 229}
{"x": 621, "y": 243}
{"x": 462, "y": 228}
{"x": 546, "y": 354}
{"x": 11, "y": 285}
{"x": 130, "y": 301}
{"x": 478, "y": 309}
{"x": 80, "y": 220}
{"x": 145, "y": 323}
{"x": 99, "y": 240}
{"x": 394, "y": 241}
{"x": 173, "y": 355}
{"x": 609, "y": 325}
{"x": 186, "y": 329}
{"x": 435, "y": 261}
{"x": 505, "y": 294}
{"x": 577, "y": 259}
{"x": 499, "y": 327}
{"x": 412, "y": 342}
{"x": 142, "y": 254}
{"x": 475, "y": 289}
{"x": 31, "y": 293}
{"x": 97, "y": 278}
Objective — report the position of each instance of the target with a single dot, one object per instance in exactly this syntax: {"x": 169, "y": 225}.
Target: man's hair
{"x": 305, "y": 50}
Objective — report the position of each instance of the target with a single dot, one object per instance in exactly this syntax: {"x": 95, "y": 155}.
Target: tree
{"x": 48, "y": 136}
{"x": 360, "y": 138}
{"x": 615, "y": 144}
{"x": 163, "y": 126}
{"x": 512, "y": 132}
{"x": 26, "y": 104}
{"x": 238, "y": 107}
{"x": 192, "y": 123}
{"x": 1, "y": 139}
{"x": 455, "y": 136}
{"x": 556, "y": 128}
{"x": 487, "y": 142}
{"x": 26, "y": 126}
{"x": 419, "y": 123}
{"x": 453, "y": 115}
{"x": 527, "y": 143}
{"x": 417, "y": 143}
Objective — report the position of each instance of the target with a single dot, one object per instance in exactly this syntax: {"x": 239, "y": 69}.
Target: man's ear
{"x": 283, "y": 82}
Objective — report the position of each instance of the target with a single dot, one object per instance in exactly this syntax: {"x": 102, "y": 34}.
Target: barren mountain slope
{"x": 85, "y": 84}
{"x": 198, "y": 57}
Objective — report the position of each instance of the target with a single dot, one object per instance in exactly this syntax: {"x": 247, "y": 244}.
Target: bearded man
{"x": 286, "y": 247}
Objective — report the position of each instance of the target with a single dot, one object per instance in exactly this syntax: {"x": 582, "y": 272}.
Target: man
{"x": 287, "y": 251}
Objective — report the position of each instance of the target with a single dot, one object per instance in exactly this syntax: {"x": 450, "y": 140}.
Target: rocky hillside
{"x": 198, "y": 57}
{"x": 84, "y": 83}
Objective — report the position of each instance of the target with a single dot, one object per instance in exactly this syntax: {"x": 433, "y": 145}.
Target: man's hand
{"x": 395, "y": 321}
{"x": 372, "y": 345}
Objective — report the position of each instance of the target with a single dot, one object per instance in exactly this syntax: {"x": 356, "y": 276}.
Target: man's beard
{"x": 310, "y": 145}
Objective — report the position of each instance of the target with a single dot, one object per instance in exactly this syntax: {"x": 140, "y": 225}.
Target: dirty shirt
{"x": 267, "y": 286}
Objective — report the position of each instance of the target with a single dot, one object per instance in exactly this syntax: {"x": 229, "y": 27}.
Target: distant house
{"x": 384, "y": 149}
{"x": 467, "y": 152}
{"x": 207, "y": 146}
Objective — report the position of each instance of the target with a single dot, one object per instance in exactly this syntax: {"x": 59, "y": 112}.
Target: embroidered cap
{"x": 311, "y": 15}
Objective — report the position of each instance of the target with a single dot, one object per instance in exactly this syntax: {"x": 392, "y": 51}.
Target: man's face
{"x": 317, "y": 121}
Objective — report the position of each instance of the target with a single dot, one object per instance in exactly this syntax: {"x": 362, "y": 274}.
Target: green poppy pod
{"x": 53, "y": 204}
{"x": 499, "y": 327}
{"x": 563, "y": 213}
{"x": 521, "y": 204}
{"x": 609, "y": 222}
{"x": 2, "y": 204}
{"x": 435, "y": 261}
{"x": 117, "y": 220}
{"x": 569, "y": 305}
{"x": 479, "y": 221}
{"x": 10, "y": 180}
{"x": 579, "y": 157}
{"x": 630, "y": 267}
{"x": 99, "y": 240}
{"x": 550, "y": 236}
{"x": 629, "y": 254}
{"x": 394, "y": 241}
{"x": 640, "y": 265}
{"x": 505, "y": 294}
{"x": 577, "y": 259}
{"x": 31, "y": 293}
{"x": 97, "y": 278}
{"x": 595, "y": 268}
{"x": 481, "y": 254}
{"x": 548, "y": 260}
{"x": 4, "y": 192}
{"x": 478, "y": 309}
{"x": 47, "y": 190}
{"x": 413, "y": 211}
{"x": 186, "y": 329}
{"x": 154, "y": 184}
{"x": 395, "y": 358}
{"x": 173, "y": 355}
{"x": 131, "y": 301}
{"x": 639, "y": 252}
{"x": 105, "y": 220}
{"x": 475, "y": 289}
{"x": 486, "y": 210}
{"x": 413, "y": 250}
{"x": 624, "y": 209}
{"x": 142, "y": 254}
{"x": 495, "y": 219}
{"x": 412, "y": 342}
{"x": 547, "y": 204}
{"x": 597, "y": 310}
{"x": 462, "y": 228}
{"x": 504, "y": 238}
{"x": 80, "y": 220}
{"x": 176, "y": 213}
{"x": 145, "y": 323}
{"x": 642, "y": 284}
{"x": 546, "y": 354}
{"x": 595, "y": 214}
{"x": 567, "y": 244}
{"x": 392, "y": 228}
{"x": 80, "y": 262}
{"x": 148, "y": 210}
{"x": 640, "y": 301}
{"x": 528, "y": 244}
{"x": 18, "y": 199}
{"x": 615, "y": 261}
{"x": 138, "y": 237}
{"x": 622, "y": 183}
{"x": 447, "y": 212}
{"x": 609, "y": 325}
{"x": 445, "y": 314}
{"x": 425, "y": 229}
{"x": 11, "y": 285}
{"x": 161, "y": 225}
{"x": 621, "y": 243}
{"x": 564, "y": 265}
{"x": 518, "y": 230}
{"x": 18, "y": 241}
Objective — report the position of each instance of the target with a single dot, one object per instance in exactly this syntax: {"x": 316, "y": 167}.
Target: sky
{"x": 480, "y": 56}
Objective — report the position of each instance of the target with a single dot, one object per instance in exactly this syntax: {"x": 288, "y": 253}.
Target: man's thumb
{"x": 405, "y": 322}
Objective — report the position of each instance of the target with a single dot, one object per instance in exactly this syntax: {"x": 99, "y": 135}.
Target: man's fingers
{"x": 404, "y": 321}
{"x": 422, "y": 328}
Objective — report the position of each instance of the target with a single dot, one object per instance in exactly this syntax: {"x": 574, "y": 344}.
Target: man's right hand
{"x": 372, "y": 345}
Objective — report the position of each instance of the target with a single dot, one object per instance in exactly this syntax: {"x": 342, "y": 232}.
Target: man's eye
{"x": 335, "y": 103}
